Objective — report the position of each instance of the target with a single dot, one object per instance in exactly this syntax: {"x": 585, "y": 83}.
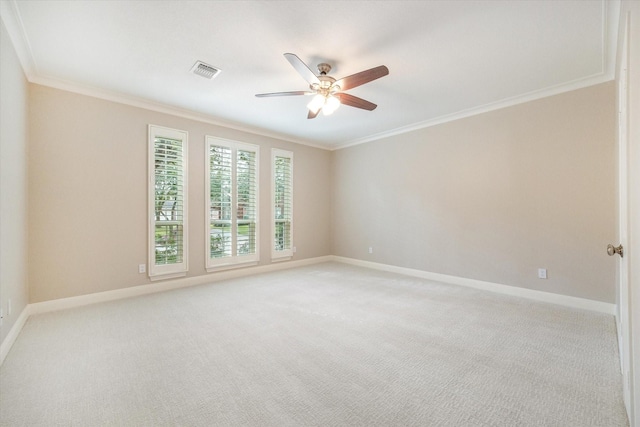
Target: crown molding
{"x": 164, "y": 108}
{"x": 610, "y": 26}
{"x": 507, "y": 102}
{"x": 15, "y": 27}
{"x": 13, "y": 23}
{"x": 610, "y": 20}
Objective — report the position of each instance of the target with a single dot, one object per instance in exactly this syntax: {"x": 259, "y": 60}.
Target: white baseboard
{"x": 78, "y": 301}
{"x": 564, "y": 300}
{"x": 184, "y": 282}
{"x": 64, "y": 303}
{"x": 13, "y": 334}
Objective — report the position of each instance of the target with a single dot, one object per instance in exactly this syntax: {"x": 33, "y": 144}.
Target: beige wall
{"x": 88, "y": 193}
{"x": 13, "y": 185}
{"x": 491, "y": 197}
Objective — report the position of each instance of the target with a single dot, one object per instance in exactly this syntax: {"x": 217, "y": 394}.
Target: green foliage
{"x": 168, "y": 244}
{"x": 222, "y": 213}
{"x": 168, "y": 201}
{"x": 282, "y": 203}
{"x": 218, "y": 244}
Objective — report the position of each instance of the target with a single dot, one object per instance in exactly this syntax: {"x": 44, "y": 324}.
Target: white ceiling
{"x": 447, "y": 59}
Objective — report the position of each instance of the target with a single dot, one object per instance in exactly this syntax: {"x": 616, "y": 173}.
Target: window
{"x": 282, "y": 204}
{"x": 232, "y": 204}
{"x": 168, "y": 229}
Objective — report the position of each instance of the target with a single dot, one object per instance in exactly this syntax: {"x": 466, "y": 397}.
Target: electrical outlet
{"x": 294, "y": 249}
{"x": 542, "y": 273}
{"x": 370, "y": 249}
{"x": 142, "y": 268}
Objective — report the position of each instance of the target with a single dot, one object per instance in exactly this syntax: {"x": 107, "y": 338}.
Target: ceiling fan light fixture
{"x": 330, "y": 105}
{"x": 316, "y": 103}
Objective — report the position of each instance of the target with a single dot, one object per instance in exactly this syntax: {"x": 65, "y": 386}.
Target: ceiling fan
{"x": 328, "y": 92}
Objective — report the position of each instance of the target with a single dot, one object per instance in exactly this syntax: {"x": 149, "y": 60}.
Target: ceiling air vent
{"x": 205, "y": 70}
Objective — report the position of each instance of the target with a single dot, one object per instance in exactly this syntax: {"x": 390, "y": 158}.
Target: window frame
{"x": 235, "y": 260}
{"x": 167, "y": 271}
{"x": 285, "y": 254}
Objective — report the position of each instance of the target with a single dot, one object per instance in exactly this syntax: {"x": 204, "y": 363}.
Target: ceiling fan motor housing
{"x": 326, "y": 85}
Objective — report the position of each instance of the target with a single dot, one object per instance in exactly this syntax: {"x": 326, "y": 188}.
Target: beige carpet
{"x": 325, "y": 345}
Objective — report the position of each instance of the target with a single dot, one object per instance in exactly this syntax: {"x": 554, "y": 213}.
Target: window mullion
{"x": 234, "y": 202}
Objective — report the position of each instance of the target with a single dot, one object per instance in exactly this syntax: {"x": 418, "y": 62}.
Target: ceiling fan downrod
{"x": 324, "y": 68}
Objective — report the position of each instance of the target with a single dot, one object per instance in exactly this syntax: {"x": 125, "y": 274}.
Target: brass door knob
{"x": 612, "y": 250}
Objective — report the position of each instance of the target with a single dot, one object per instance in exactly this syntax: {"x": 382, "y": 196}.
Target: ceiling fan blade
{"x": 312, "y": 115}
{"x": 362, "y": 77}
{"x": 296, "y": 92}
{"x": 354, "y": 101}
{"x": 302, "y": 68}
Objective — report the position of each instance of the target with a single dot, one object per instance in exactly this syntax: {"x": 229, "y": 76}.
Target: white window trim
{"x": 218, "y": 264}
{"x": 163, "y": 272}
{"x": 285, "y": 254}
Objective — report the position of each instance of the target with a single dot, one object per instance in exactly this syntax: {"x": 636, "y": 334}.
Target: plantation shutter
{"x": 282, "y": 204}
{"x": 232, "y": 203}
{"x": 220, "y": 167}
{"x": 246, "y": 202}
{"x": 167, "y": 202}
